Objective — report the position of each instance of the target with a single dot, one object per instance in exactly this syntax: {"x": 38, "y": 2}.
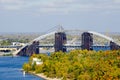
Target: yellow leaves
{"x": 81, "y": 65}
{"x": 38, "y": 68}
{"x": 34, "y": 55}
{"x": 84, "y": 76}
{"x": 107, "y": 53}
{"x": 118, "y": 57}
{"x": 26, "y": 67}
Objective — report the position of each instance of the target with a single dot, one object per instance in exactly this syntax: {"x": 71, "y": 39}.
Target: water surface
{"x": 10, "y": 69}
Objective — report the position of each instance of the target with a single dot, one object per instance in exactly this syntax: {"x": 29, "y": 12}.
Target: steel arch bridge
{"x": 68, "y": 44}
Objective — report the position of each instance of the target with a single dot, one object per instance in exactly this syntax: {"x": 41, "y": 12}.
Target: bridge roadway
{"x": 40, "y": 46}
{"x": 15, "y": 48}
{"x": 9, "y": 47}
{"x": 52, "y": 46}
{"x": 95, "y": 47}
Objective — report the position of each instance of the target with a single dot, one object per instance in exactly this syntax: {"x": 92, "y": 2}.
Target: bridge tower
{"x": 30, "y": 49}
{"x": 60, "y": 40}
{"x": 87, "y": 41}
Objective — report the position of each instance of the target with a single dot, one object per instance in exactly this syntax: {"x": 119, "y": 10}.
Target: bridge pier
{"x": 87, "y": 41}
{"x": 60, "y": 40}
{"x": 31, "y": 49}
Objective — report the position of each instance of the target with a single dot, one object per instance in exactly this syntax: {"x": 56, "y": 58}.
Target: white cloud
{"x": 60, "y": 6}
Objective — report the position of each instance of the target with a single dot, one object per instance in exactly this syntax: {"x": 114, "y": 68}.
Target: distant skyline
{"x": 42, "y": 15}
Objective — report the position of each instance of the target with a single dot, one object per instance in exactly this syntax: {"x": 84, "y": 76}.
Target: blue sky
{"x": 42, "y": 15}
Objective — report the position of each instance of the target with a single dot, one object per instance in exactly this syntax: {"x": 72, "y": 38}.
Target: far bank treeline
{"x": 78, "y": 65}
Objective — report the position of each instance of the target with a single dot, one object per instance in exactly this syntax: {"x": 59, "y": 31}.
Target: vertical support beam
{"x": 36, "y": 47}
{"x": 60, "y": 40}
{"x": 87, "y": 41}
{"x": 37, "y": 51}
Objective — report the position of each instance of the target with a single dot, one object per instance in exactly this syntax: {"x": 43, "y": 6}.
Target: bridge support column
{"x": 87, "y": 41}
{"x": 31, "y": 49}
{"x": 60, "y": 40}
{"x": 114, "y": 46}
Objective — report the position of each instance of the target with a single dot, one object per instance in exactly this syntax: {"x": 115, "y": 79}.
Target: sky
{"x": 43, "y": 15}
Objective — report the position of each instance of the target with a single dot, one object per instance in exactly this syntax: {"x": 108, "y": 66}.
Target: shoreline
{"x": 5, "y": 54}
{"x": 41, "y": 75}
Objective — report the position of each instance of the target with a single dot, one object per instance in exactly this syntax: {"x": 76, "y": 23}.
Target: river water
{"x": 10, "y": 69}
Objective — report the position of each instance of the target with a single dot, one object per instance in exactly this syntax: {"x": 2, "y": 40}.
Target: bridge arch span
{"x": 101, "y": 35}
{"x": 44, "y": 36}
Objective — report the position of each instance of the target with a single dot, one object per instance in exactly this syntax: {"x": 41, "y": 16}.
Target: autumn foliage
{"x": 79, "y": 65}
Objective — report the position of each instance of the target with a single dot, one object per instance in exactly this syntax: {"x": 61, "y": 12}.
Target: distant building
{"x": 17, "y": 44}
{"x": 37, "y": 61}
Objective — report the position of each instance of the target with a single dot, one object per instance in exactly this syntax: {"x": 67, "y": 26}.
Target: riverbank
{"x": 5, "y": 54}
{"x": 41, "y": 75}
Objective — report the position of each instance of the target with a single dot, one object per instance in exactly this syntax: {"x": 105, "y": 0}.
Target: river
{"x": 10, "y": 69}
